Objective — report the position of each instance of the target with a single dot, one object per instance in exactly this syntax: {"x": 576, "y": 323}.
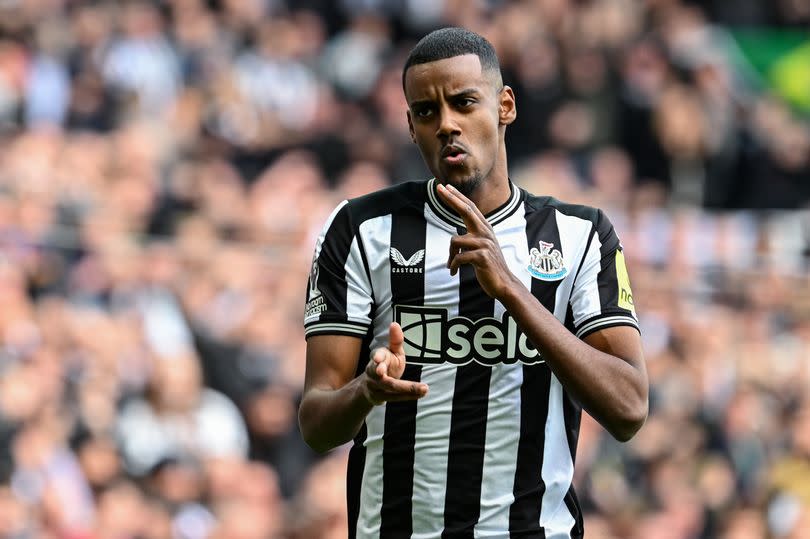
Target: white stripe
{"x": 503, "y": 411}
{"x": 358, "y": 287}
{"x": 376, "y": 237}
{"x": 628, "y": 320}
{"x": 326, "y": 326}
{"x": 434, "y": 411}
{"x": 371, "y": 489}
{"x": 573, "y": 233}
{"x": 558, "y": 468}
{"x": 585, "y": 299}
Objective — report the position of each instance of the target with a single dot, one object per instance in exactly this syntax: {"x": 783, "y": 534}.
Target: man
{"x": 456, "y": 327}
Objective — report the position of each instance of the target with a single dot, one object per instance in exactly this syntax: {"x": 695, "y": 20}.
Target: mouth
{"x": 453, "y": 155}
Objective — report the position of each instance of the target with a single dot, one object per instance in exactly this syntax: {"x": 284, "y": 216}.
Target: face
{"x": 457, "y": 115}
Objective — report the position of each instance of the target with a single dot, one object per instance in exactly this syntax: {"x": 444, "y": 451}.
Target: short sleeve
{"x": 602, "y": 296}
{"x": 339, "y": 295}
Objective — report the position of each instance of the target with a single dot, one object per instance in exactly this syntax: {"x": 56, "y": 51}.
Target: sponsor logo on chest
{"x": 400, "y": 264}
{"x": 433, "y": 337}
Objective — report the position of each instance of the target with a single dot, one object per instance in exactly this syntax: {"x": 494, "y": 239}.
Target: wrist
{"x": 512, "y": 292}
{"x": 366, "y": 400}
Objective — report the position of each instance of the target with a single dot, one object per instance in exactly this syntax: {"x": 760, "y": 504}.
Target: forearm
{"x": 331, "y": 417}
{"x": 611, "y": 389}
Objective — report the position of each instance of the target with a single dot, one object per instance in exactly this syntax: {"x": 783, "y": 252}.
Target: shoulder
{"x": 399, "y": 197}
{"x": 580, "y": 211}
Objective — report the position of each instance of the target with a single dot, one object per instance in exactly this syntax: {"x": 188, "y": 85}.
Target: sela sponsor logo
{"x": 432, "y": 337}
{"x": 546, "y": 263}
{"x": 400, "y": 264}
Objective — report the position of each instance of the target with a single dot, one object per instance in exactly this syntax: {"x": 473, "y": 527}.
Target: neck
{"x": 494, "y": 191}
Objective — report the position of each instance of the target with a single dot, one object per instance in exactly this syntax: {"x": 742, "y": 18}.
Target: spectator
{"x": 164, "y": 170}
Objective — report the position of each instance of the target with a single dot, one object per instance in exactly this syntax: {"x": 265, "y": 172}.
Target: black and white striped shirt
{"x": 489, "y": 451}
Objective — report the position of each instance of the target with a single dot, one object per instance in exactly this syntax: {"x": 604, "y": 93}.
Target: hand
{"x": 385, "y": 369}
{"x": 478, "y": 247}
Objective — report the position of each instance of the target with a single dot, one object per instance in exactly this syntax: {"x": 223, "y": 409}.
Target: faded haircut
{"x": 451, "y": 42}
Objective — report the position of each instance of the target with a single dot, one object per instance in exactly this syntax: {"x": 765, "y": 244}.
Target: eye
{"x": 423, "y": 112}
{"x": 464, "y": 102}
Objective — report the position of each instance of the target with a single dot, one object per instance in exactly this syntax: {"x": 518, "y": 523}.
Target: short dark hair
{"x": 451, "y": 42}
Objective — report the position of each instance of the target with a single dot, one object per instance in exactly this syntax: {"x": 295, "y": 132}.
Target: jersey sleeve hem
{"x": 336, "y": 328}
{"x": 606, "y": 320}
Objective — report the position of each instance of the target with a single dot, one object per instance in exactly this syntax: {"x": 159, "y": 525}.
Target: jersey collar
{"x": 449, "y": 215}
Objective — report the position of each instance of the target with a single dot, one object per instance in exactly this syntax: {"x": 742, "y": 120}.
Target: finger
{"x": 454, "y": 250}
{"x": 460, "y": 244}
{"x": 401, "y": 397}
{"x": 392, "y": 387}
{"x": 467, "y": 257}
{"x": 396, "y": 339}
{"x": 473, "y": 219}
{"x": 371, "y": 370}
{"x": 453, "y": 262}
{"x": 379, "y": 355}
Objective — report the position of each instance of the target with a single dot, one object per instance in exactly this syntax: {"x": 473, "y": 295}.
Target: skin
{"x": 454, "y": 103}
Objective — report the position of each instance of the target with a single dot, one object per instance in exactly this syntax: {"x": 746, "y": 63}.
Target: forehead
{"x": 448, "y": 75}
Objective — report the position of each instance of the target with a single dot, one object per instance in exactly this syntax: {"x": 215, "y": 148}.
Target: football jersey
{"x": 489, "y": 451}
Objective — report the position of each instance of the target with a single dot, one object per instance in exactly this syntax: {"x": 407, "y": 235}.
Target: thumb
{"x": 396, "y": 339}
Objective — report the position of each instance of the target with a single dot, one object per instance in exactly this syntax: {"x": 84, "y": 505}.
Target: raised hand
{"x": 385, "y": 369}
{"x": 478, "y": 247}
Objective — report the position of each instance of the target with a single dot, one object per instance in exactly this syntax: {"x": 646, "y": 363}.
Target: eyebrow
{"x": 461, "y": 93}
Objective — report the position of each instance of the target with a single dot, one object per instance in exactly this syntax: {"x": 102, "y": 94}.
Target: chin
{"x": 466, "y": 185}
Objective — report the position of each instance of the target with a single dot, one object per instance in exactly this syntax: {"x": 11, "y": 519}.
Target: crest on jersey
{"x": 400, "y": 264}
{"x": 546, "y": 263}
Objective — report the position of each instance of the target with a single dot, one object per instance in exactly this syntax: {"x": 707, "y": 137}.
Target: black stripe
{"x": 572, "y": 412}
{"x": 569, "y": 318}
{"x": 468, "y": 422}
{"x": 571, "y": 501}
{"x": 331, "y": 267}
{"x": 607, "y": 280}
{"x": 357, "y": 454}
{"x": 408, "y": 232}
{"x": 524, "y": 515}
{"x": 542, "y": 226}
{"x": 354, "y": 479}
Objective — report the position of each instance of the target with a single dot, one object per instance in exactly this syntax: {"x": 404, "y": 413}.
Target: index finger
{"x": 473, "y": 219}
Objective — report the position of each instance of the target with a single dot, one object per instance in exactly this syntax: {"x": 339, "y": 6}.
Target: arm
{"x": 335, "y": 402}
{"x": 605, "y": 372}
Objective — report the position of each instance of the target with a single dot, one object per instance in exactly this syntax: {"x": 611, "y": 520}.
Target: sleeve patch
{"x": 625, "y": 293}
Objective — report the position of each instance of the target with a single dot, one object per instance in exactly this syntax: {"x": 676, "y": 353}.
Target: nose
{"x": 448, "y": 125}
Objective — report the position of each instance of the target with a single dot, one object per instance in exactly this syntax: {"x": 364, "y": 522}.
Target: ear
{"x": 410, "y": 126}
{"x": 507, "y": 109}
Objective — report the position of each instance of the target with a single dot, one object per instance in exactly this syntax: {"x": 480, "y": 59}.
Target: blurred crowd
{"x": 166, "y": 166}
